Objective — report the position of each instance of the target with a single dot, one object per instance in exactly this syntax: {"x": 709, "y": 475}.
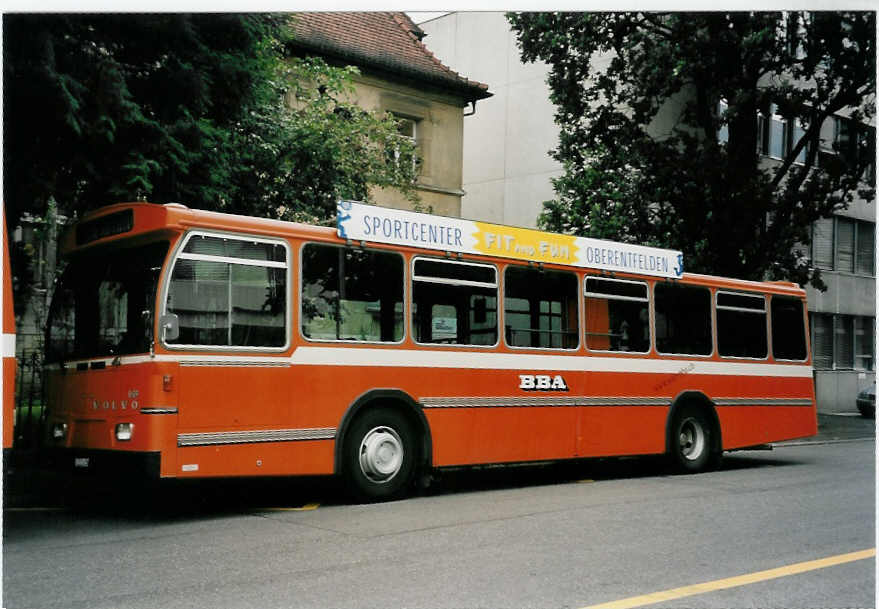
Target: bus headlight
{"x": 59, "y": 431}
{"x": 124, "y": 431}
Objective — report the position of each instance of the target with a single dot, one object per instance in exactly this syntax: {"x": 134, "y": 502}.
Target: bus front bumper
{"x": 107, "y": 463}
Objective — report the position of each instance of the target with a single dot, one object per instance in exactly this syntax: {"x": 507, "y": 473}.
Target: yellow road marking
{"x": 305, "y": 508}
{"x": 732, "y": 582}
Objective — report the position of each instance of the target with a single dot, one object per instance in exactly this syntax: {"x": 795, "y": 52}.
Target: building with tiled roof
{"x": 399, "y": 74}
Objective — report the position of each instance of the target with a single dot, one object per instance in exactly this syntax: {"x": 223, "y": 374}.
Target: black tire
{"x": 692, "y": 442}
{"x": 378, "y": 457}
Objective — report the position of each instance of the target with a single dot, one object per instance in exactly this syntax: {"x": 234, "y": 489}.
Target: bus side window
{"x": 683, "y": 319}
{"x": 229, "y": 292}
{"x": 454, "y": 302}
{"x": 741, "y": 325}
{"x": 351, "y": 294}
{"x": 540, "y": 308}
{"x": 617, "y": 315}
{"x": 788, "y": 328}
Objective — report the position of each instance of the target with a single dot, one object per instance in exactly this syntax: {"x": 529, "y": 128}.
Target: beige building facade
{"x": 398, "y": 74}
{"x": 437, "y": 126}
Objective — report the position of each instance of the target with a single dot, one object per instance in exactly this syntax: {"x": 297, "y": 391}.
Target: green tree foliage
{"x": 190, "y": 108}
{"x": 103, "y": 108}
{"x": 309, "y": 145}
{"x": 651, "y": 156}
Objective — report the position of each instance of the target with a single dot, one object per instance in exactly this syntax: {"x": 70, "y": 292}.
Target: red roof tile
{"x": 387, "y": 41}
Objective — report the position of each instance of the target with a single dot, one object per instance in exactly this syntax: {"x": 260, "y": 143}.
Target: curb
{"x": 824, "y": 441}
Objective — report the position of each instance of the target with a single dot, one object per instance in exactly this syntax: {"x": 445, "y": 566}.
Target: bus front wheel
{"x": 692, "y": 441}
{"x": 379, "y": 455}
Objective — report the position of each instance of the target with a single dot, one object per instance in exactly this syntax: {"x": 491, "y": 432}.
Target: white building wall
{"x": 507, "y": 167}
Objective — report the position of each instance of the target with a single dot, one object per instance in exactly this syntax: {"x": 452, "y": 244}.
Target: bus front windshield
{"x": 103, "y": 304}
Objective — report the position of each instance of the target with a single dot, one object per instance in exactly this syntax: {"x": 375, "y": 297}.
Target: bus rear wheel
{"x": 379, "y": 456}
{"x": 692, "y": 441}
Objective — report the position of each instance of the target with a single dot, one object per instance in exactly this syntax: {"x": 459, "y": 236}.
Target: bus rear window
{"x": 788, "y": 328}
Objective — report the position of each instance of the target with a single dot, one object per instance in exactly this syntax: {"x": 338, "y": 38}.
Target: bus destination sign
{"x": 361, "y": 222}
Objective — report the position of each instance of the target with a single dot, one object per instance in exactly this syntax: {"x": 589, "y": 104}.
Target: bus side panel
{"x": 229, "y": 397}
{"x": 235, "y": 398}
{"x": 256, "y": 459}
{"x": 757, "y": 423}
{"x": 464, "y": 431}
{"x": 622, "y": 430}
{"x": 501, "y": 435}
{"x": 752, "y": 425}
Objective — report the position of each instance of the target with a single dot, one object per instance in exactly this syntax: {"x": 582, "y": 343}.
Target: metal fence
{"x": 30, "y": 410}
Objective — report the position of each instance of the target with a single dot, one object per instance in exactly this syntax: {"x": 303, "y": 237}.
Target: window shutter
{"x": 844, "y": 345}
{"x": 866, "y": 247}
{"x": 822, "y": 341}
{"x": 864, "y": 343}
{"x": 822, "y": 243}
{"x": 845, "y": 249}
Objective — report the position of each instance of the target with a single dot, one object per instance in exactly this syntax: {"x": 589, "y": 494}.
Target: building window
{"x": 822, "y": 341}
{"x": 407, "y": 130}
{"x": 777, "y": 144}
{"x": 822, "y": 243}
{"x": 865, "y": 330}
{"x": 842, "y": 342}
{"x": 844, "y": 244}
{"x": 777, "y": 136}
{"x": 854, "y": 142}
{"x": 865, "y": 248}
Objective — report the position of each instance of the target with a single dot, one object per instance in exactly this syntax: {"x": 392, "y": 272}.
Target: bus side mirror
{"x": 170, "y": 326}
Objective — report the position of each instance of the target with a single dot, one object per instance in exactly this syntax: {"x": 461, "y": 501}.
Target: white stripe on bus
{"x": 435, "y": 358}
{"x": 8, "y": 347}
{"x": 411, "y": 358}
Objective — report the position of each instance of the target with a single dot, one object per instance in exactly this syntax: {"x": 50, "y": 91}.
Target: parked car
{"x": 866, "y": 402}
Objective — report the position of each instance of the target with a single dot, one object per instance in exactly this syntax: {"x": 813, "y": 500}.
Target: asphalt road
{"x": 574, "y": 536}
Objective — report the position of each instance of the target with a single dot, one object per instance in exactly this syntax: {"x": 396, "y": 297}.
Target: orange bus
{"x": 184, "y": 343}
{"x": 8, "y": 348}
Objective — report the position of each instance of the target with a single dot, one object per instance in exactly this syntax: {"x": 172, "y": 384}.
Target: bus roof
{"x": 126, "y": 220}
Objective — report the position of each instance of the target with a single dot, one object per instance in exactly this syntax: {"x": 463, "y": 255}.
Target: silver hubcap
{"x": 692, "y": 439}
{"x": 381, "y": 454}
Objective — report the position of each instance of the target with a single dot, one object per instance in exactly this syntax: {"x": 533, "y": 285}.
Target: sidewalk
{"x": 842, "y": 426}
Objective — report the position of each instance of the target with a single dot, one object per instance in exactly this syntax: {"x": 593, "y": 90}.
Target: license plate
{"x": 81, "y": 462}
